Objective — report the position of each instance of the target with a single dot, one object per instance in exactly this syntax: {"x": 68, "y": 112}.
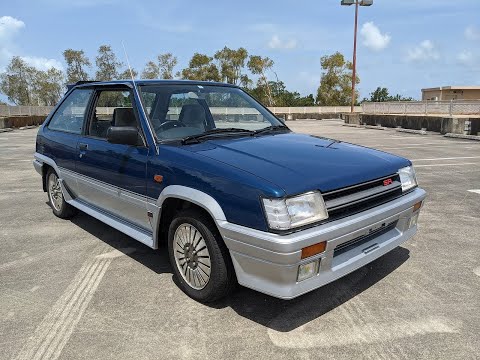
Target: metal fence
{"x": 457, "y": 107}
{"x": 9, "y": 110}
{"x": 314, "y": 109}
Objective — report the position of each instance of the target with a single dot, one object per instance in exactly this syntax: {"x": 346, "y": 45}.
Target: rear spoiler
{"x": 70, "y": 86}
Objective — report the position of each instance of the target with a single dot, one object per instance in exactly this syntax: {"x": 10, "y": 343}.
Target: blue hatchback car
{"x": 234, "y": 195}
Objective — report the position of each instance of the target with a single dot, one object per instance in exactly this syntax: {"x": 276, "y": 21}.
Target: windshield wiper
{"x": 271, "y": 128}
{"x": 195, "y": 138}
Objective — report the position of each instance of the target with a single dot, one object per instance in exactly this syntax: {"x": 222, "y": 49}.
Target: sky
{"x": 404, "y": 45}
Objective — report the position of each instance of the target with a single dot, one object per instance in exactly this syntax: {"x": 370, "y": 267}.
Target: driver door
{"x": 112, "y": 177}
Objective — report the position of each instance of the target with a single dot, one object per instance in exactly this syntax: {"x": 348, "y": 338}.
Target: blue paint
{"x": 116, "y": 164}
{"x": 299, "y": 163}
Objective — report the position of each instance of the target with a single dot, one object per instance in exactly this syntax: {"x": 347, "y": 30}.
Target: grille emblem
{"x": 387, "y": 182}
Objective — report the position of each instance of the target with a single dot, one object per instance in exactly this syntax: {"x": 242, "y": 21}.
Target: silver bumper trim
{"x": 269, "y": 262}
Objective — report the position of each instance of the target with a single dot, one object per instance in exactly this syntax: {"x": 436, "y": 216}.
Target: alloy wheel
{"x": 191, "y": 256}
{"x": 55, "y": 191}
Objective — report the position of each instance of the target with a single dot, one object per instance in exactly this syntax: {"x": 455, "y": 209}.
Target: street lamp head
{"x": 361, "y": 2}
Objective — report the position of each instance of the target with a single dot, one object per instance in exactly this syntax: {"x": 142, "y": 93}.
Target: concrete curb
{"x": 28, "y": 127}
{"x": 374, "y": 127}
{"x": 412, "y": 131}
{"x": 6, "y": 130}
{"x": 461, "y": 136}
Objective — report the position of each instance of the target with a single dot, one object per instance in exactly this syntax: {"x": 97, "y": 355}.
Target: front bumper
{"x": 269, "y": 262}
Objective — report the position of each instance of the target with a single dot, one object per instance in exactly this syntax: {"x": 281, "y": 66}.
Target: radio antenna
{"x": 128, "y": 64}
{"x": 136, "y": 91}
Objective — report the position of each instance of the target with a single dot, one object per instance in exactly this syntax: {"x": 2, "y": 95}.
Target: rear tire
{"x": 55, "y": 197}
{"x": 199, "y": 257}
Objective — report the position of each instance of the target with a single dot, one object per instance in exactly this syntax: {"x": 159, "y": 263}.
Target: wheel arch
{"x": 175, "y": 198}
{"x": 45, "y": 169}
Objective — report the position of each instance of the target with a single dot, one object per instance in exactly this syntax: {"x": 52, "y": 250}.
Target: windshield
{"x": 179, "y": 111}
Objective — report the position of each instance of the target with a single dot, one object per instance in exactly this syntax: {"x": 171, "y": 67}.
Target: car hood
{"x": 298, "y": 163}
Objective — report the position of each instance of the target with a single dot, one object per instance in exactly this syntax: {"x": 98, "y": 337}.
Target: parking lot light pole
{"x": 354, "y": 70}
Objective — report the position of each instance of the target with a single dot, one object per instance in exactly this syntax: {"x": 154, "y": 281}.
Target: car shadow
{"x": 287, "y": 315}
{"x": 155, "y": 260}
{"x": 276, "y": 314}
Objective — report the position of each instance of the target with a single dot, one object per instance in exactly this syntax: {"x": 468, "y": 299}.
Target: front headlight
{"x": 284, "y": 214}
{"x": 408, "y": 178}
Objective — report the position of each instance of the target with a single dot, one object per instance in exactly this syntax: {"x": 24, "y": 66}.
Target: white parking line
{"x": 57, "y": 326}
{"x": 429, "y": 147}
{"x": 476, "y": 271}
{"x": 475, "y": 191}
{"x": 434, "y": 165}
{"x": 393, "y": 144}
{"x": 449, "y": 158}
{"x": 360, "y": 333}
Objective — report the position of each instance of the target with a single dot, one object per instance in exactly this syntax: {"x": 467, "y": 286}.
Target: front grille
{"x": 348, "y": 245}
{"x": 351, "y": 200}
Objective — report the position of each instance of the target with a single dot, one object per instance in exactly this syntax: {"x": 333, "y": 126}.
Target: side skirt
{"x": 133, "y": 231}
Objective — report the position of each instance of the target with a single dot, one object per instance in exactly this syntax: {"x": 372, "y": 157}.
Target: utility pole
{"x": 357, "y": 3}
{"x": 354, "y": 71}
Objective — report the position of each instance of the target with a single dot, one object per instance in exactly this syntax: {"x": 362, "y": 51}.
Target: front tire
{"x": 55, "y": 197}
{"x": 199, "y": 257}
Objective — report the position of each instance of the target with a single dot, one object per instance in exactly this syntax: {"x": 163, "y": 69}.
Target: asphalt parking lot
{"x": 81, "y": 290}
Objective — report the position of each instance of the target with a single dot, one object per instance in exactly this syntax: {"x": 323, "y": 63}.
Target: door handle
{"x": 83, "y": 146}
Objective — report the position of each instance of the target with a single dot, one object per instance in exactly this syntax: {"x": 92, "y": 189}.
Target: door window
{"x": 113, "y": 108}
{"x": 70, "y": 115}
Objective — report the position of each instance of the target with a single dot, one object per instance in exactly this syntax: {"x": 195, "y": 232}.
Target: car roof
{"x": 129, "y": 83}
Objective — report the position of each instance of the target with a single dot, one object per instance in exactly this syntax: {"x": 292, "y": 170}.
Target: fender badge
{"x": 158, "y": 178}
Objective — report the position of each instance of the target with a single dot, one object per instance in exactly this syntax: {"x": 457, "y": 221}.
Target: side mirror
{"x": 126, "y": 135}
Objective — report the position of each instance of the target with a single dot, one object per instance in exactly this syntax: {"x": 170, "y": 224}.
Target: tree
{"x": 125, "y": 74}
{"x": 76, "y": 64}
{"x": 201, "y": 67}
{"x": 231, "y": 63}
{"x": 281, "y": 96}
{"x": 107, "y": 64}
{"x": 259, "y": 66}
{"x": 17, "y": 81}
{"x": 245, "y": 82}
{"x": 166, "y": 64}
{"x": 382, "y": 95}
{"x": 163, "y": 69}
{"x": 25, "y": 85}
{"x": 336, "y": 82}
{"x": 399, "y": 97}
{"x": 48, "y": 86}
{"x": 151, "y": 71}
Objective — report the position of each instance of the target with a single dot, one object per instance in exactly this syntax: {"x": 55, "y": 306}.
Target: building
{"x": 448, "y": 93}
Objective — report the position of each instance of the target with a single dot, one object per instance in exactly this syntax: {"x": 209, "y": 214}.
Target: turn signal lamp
{"x": 313, "y": 249}
{"x": 417, "y": 206}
